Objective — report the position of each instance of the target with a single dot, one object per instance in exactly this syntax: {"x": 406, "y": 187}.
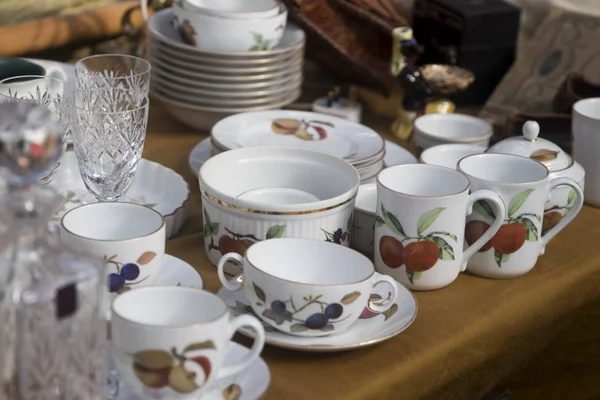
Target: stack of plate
{"x": 199, "y": 87}
{"x": 357, "y": 144}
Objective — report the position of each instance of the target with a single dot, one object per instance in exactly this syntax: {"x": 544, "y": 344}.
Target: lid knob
{"x": 531, "y": 130}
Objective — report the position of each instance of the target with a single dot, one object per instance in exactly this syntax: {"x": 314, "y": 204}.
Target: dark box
{"x": 480, "y": 35}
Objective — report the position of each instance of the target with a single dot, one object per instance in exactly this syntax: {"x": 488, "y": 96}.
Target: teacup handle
{"x": 56, "y": 72}
{"x": 259, "y": 342}
{"x": 220, "y": 271}
{"x": 383, "y": 305}
{"x": 553, "y": 184}
{"x": 500, "y": 213}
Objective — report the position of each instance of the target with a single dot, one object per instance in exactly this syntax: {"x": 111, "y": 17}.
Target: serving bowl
{"x": 225, "y": 33}
{"x": 448, "y": 155}
{"x": 435, "y": 129}
{"x": 260, "y": 193}
{"x": 162, "y": 33}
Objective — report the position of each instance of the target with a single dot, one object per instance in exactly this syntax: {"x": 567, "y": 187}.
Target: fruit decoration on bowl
{"x": 447, "y": 79}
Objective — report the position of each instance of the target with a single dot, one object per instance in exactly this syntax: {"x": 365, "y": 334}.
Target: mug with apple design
{"x": 420, "y": 224}
{"x": 524, "y": 186}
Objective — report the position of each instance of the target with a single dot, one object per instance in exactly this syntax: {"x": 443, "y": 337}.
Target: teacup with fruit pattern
{"x": 307, "y": 287}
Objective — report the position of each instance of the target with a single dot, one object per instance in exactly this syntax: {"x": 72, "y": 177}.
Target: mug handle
{"x": 500, "y": 212}
{"x": 259, "y": 342}
{"x": 220, "y": 271}
{"x": 383, "y": 305}
{"x": 553, "y": 184}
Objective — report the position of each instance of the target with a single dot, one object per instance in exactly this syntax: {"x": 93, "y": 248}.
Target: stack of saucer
{"x": 201, "y": 85}
{"x": 355, "y": 143}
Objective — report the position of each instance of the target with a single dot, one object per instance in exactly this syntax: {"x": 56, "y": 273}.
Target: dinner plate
{"x": 154, "y": 186}
{"x": 235, "y": 70}
{"x": 225, "y": 79}
{"x": 161, "y": 27}
{"x": 368, "y": 330}
{"x": 230, "y": 86}
{"x": 338, "y": 137}
{"x": 224, "y": 94}
{"x": 394, "y": 155}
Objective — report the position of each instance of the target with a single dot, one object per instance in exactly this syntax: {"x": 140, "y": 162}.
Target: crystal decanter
{"x": 52, "y": 316}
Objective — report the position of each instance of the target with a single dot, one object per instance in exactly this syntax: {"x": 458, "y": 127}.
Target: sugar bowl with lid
{"x": 559, "y": 163}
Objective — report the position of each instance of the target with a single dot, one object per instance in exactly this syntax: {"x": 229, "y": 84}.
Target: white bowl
{"x": 257, "y": 193}
{"x": 363, "y": 226}
{"x": 163, "y": 33}
{"x": 230, "y": 34}
{"x": 154, "y": 186}
{"x": 448, "y": 155}
{"x": 434, "y": 129}
{"x": 233, "y": 8}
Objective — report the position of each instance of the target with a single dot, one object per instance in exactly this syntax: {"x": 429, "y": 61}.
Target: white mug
{"x": 524, "y": 186}
{"x": 169, "y": 342}
{"x": 420, "y": 224}
{"x": 129, "y": 238}
{"x": 306, "y": 287}
{"x": 586, "y": 145}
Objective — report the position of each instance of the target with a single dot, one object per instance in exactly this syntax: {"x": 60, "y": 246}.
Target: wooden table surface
{"x": 466, "y": 338}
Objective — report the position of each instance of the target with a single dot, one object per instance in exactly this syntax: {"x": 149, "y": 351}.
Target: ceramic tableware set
{"x": 362, "y": 147}
{"x": 523, "y": 191}
{"x": 212, "y": 59}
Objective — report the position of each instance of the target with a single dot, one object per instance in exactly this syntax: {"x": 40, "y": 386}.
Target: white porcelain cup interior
{"x": 586, "y": 145}
{"x": 503, "y": 168}
{"x": 234, "y": 8}
{"x": 448, "y": 155}
{"x": 112, "y": 221}
{"x": 178, "y": 328}
{"x": 164, "y": 307}
{"x": 278, "y": 196}
{"x": 423, "y": 180}
{"x": 453, "y": 127}
{"x": 304, "y": 173}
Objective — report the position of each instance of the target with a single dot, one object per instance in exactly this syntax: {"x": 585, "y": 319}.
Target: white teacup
{"x": 448, "y": 155}
{"x": 169, "y": 342}
{"x": 307, "y": 287}
{"x": 129, "y": 238}
{"x": 586, "y": 145}
{"x": 524, "y": 186}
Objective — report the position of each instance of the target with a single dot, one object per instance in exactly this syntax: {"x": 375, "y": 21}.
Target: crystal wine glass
{"x": 109, "y": 130}
{"x": 113, "y": 71}
{"x": 52, "y": 93}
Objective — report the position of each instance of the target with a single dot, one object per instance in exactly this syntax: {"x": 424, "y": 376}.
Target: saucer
{"x": 397, "y": 155}
{"x": 368, "y": 330}
{"x": 394, "y": 155}
{"x": 250, "y": 384}
{"x": 154, "y": 186}
{"x": 176, "y": 272}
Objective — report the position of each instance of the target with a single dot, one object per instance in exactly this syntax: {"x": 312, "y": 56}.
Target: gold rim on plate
{"x": 223, "y": 110}
{"x": 191, "y": 67}
{"x": 216, "y": 60}
{"x": 175, "y": 89}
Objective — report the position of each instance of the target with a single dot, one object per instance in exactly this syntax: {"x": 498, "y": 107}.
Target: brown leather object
{"x": 53, "y": 32}
{"x": 553, "y": 127}
{"x": 574, "y": 88}
{"x": 349, "y": 38}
